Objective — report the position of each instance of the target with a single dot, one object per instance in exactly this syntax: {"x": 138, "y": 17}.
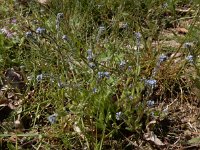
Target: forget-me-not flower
{"x": 162, "y": 58}
{"x": 190, "y": 58}
{"x": 40, "y": 30}
{"x": 52, "y": 118}
{"x": 150, "y": 103}
{"x": 90, "y": 55}
{"x": 150, "y": 83}
{"x": 118, "y": 115}
{"x": 39, "y": 77}
{"x": 103, "y": 74}
{"x": 138, "y": 36}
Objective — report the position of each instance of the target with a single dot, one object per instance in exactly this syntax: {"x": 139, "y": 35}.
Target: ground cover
{"x": 99, "y": 74}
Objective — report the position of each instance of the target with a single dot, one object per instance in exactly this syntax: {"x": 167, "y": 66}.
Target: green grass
{"x": 98, "y": 81}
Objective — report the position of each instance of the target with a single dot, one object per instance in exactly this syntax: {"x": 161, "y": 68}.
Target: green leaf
{"x": 11, "y": 146}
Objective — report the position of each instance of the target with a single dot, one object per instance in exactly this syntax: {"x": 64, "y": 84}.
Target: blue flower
{"x": 52, "y": 118}
{"x": 65, "y": 38}
{"x": 90, "y": 58}
{"x": 101, "y": 28}
{"x": 29, "y": 34}
{"x": 190, "y": 58}
{"x": 162, "y": 58}
{"x": 151, "y": 83}
{"x": 40, "y": 30}
{"x": 107, "y": 74}
{"x": 150, "y": 103}
{"x": 138, "y": 35}
{"x": 95, "y": 90}
{"x": 39, "y": 77}
{"x": 89, "y": 52}
{"x": 100, "y": 74}
{"x": 103, "y": 74}
{"x": 118, "y": 115}
{"x": 90, "y": 55}
{"x": 165, "y": 5}
{"x": 122, "y": 64}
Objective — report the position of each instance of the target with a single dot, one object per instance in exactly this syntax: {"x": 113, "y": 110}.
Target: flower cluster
{"x": 190, "y": 58}
{"x": 150, "y": 83}
{"x": 90, "y": 58}
{"x": 150, "y": 103}
{"x": 103, "y": 75}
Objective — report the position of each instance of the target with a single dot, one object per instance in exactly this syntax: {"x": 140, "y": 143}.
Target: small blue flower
{"x": 89, "y": 52}
{"x": 39, "y": 77}
{"x": 52, "y": 118}
{"x": 162, "y": 58}
{"x": 190, "y": 58}
{"x": 107, "y": 74}
{"x": 100, "y": 74}
{"x": 90, "y": 55}
{"x": 150, "y": 103}
{"x": 94, "y": 90}
{"x": 29, "y": 34}
{"x": 122, "y": 64}
{"x": 90, "y": 58}
{"x": 151, "y": 83}
{"x": 101, "y": 28}
{"x": 165, "y": 5}
{"x": 118, "y": 115}
{"x": 65, "y": 38}
{"x": 40, "y": 30}
{"x": 138, "y": 35}
{"x": 103, "y": 74}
